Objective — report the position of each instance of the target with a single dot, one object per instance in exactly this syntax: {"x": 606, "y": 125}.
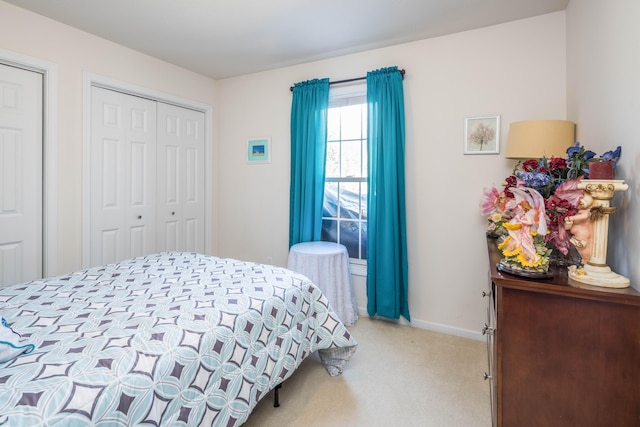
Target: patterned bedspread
{"x": 172, "y": 339}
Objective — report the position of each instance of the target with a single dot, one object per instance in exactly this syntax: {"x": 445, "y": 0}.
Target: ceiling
{"x": 225, "y": 38}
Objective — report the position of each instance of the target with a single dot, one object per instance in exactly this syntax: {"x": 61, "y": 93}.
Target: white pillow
{"x": 10, "y": 343}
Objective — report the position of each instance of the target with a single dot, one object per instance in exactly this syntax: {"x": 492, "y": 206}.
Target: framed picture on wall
{"x": 482, "y": 135}
{"x": 259, "y": 150}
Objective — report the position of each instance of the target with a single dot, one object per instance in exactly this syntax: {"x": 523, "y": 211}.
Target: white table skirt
{"x": 327, "y": 265}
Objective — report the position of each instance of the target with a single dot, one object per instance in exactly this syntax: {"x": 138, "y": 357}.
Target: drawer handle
{"x": 487, "y": 376}
{"x": 486, "y": 330}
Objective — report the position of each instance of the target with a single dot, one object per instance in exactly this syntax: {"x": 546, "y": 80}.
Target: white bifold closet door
{"x": 123, "y": 176}
{"x": 20, "y": 175}
{"x": 180, "y": 179}
{"x": 147, "y": 177}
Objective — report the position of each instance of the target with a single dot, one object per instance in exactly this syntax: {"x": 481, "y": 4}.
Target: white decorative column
{"x": 596, "y": 272}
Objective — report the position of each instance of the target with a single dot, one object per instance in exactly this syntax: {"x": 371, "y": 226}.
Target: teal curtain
{"x": 387, "y": 272}
{"x": 308, "y": 153}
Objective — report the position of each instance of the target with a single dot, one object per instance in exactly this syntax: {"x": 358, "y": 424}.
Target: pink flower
{"x": 490, "y": 201}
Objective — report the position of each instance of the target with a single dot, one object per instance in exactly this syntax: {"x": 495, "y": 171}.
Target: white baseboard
{"x": 431, "y": 326}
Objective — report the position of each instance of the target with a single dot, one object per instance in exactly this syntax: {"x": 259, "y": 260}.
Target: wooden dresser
{"x": 560, "y": 353}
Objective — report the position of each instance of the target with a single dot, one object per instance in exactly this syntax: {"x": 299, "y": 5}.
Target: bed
{"x": 170, "y": 339}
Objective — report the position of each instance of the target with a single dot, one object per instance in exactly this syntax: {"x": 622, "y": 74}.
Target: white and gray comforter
{"x": 171, "y": 339}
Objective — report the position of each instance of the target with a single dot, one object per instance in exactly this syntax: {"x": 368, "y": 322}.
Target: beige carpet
{"x": 399, "y": 376}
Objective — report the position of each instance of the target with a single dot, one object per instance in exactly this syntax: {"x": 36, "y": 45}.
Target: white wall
{"x": 516, "y": 70}
{"x": 603, "y": 98}
{"x": 76, "y": 52}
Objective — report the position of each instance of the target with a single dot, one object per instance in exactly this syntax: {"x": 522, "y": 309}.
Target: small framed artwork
{"x": 482, "y": 135}
{"x": 259, "y": 150}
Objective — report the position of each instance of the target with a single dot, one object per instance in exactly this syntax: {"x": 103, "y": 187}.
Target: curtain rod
{"x": 355, "y": 79}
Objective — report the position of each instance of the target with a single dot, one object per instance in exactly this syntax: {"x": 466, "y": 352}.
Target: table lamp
{"x": 533, "y": 139}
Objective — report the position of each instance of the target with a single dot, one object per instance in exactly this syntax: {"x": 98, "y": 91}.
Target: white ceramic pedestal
{"x": 596, "y": 272}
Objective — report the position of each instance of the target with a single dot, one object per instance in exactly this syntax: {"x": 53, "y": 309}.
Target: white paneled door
{"x": 180, "y": 179}
{"x": 20, "y": 175}
{"x": 123, "y": 176}
{"x": 147, "y": 177}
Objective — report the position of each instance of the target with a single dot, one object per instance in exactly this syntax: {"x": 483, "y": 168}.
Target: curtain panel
{"x": 387, "y": 266}
{"x": 309, "y": 108}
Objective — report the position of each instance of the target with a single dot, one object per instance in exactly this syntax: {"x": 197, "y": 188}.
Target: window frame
{"x": 344, "y": 95}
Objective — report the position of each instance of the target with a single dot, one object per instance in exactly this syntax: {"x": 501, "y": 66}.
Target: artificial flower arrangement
{"x": 528, "y": 213}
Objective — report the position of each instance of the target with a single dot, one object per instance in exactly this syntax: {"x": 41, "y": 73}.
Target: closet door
{"x": 20, "y": 175}
{"x": 181, "y": 179}
{"x": 122, "y": 177}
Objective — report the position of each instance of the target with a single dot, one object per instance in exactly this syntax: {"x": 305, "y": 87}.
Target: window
{"x": 344, "y": 218}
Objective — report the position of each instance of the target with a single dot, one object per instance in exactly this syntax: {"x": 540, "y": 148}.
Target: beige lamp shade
{"x": 533, "y": 139}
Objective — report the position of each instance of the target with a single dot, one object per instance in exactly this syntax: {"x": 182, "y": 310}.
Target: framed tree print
{"x": 482, "y": 135}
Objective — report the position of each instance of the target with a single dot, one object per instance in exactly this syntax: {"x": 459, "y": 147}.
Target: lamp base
{"x": 601, "y": 276}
